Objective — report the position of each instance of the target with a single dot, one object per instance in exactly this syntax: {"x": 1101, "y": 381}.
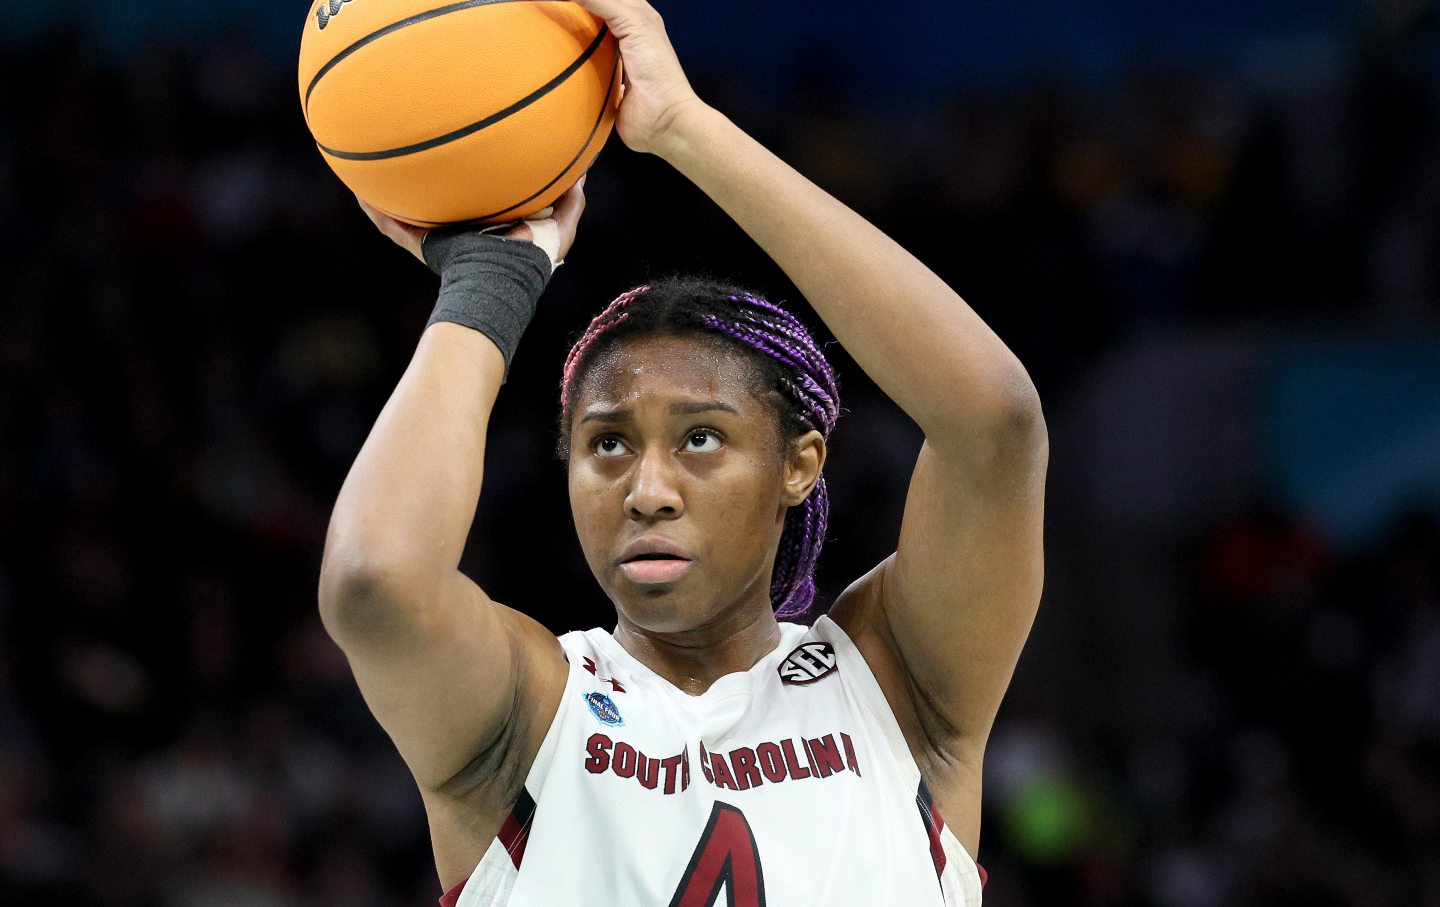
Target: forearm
{"x": 404, "y": 512}
{"x": 919, "y": 341}
{"x": 406, "y": 507}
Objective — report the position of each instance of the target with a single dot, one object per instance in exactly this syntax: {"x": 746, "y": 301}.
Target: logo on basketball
{"x": 603, "y": 708}
{"x": 326, "y": 9}
{"x": 808, "y": 663}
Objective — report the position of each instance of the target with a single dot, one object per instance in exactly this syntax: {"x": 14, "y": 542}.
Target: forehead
{"x": 668, "y": 366}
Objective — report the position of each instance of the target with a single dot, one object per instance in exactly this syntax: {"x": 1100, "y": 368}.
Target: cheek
{"x": 748, "y": 507}
{"x": 586, "y": 506}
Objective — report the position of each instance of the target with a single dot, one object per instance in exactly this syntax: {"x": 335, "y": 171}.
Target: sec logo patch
{"x": 808, "y": 663}
{"x": 604, "y": 709}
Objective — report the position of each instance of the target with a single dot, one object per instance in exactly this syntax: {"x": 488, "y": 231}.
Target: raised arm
{"x": 961, "y": 591}
{"x": 445, "y": 669}
{"x": 957, "y": 599}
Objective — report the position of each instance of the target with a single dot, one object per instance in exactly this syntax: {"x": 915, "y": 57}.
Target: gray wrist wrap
{"x": 487, "y": 283}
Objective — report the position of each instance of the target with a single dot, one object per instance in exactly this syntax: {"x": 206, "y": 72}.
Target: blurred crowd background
{"x": 1211, "y": 237}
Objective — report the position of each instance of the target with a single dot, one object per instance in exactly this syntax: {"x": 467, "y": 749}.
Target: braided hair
{"x": 792, "y": 376}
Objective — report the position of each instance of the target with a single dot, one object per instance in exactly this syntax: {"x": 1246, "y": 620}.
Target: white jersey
{"x": 787, "y": 784}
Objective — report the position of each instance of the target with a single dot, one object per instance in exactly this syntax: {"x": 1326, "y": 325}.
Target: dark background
{"x": 1208, "y": 230}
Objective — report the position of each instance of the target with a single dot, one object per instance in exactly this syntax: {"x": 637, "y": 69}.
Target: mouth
{"x": 650, "y": 569}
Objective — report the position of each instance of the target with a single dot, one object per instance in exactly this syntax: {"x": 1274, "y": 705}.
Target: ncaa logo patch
{"x": 808, "y": 663}
{"x": 603, "y": 708}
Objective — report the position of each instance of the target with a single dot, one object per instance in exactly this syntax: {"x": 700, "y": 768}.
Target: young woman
{"x": 704, "y": 745}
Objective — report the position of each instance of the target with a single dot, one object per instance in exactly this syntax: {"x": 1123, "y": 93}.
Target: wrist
{"x": 487, "y": 283}
{"x": 684, "y": 131}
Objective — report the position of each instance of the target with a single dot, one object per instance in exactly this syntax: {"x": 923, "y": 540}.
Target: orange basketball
{"x": 478, "y": 110}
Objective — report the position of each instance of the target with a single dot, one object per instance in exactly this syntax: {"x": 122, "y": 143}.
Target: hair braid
{"x": 612, "y": 315}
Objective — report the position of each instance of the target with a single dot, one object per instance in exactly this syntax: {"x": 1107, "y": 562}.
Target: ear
{"x": 805, "y": 459}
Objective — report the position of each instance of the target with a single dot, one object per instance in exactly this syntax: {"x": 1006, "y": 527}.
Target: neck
{"x": 694, "y": 659}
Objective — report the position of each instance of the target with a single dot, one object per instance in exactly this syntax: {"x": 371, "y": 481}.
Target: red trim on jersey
{"x": 930, "y": 815}
{"x": 513, "y": 836}
{"x": 515, "y": 833}
{"x": 449, "y": 898}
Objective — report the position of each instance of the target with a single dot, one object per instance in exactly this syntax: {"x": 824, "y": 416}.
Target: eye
{"x": 607, "y": 446}
{"x": 702, "y": 440}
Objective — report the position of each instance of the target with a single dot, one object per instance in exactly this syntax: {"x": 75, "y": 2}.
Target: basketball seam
{"x": 392, "y": 27}
{"x": 614, "y": 69}
{"x": 475, "y": 127}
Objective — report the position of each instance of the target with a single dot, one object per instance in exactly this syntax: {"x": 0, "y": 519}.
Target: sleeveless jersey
{"x": 787, "y": 784}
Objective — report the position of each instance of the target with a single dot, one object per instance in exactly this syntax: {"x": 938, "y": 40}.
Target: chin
{"x": 659, "y": 609}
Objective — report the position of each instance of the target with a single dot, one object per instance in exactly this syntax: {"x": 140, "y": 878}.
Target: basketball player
{"x": 702, "y": 746}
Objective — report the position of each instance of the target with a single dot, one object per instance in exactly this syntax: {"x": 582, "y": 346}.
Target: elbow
{"x": 359, "y": 598}
{"x": 1018, "y": 416}
{"x": 1006, "y": 426}
{"x": 1016, "y": 449}
{"x": 349, "y": 597}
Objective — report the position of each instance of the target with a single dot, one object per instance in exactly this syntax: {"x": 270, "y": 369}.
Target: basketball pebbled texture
{"x": 441, "y": 113}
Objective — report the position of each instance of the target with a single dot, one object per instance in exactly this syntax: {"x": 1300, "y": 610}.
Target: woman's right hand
{"x": 565, "y": 213}
{"x": 655, "y": 89}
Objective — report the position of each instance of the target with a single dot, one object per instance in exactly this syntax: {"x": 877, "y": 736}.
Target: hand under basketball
{"x": 566, "y": 214}
{"x": 655, "y": 88}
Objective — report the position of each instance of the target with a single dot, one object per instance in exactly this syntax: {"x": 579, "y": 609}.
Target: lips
{"x": 648, "y": 561}
{"x": 648, "y": 573}
{"x": 652, "y": 549}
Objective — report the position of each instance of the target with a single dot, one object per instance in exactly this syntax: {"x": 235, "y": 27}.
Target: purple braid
{"x": 779, "y": 334}
{"x": 798, "y": 370}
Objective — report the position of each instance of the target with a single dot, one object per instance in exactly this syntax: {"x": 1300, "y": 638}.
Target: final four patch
{"x": 808, "y": 663}
{"x": 603, "y": 708}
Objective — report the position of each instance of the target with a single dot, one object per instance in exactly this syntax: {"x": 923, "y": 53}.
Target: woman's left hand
{"x": 565, "y": 212}
{"x": 655, "y": 90}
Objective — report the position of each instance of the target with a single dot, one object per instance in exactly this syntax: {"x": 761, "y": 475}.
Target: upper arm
{"x": 960, "y": 593}
{"x": 449, "y": 677}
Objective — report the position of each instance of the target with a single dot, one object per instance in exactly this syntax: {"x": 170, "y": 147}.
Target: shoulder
{"x": 856, "y": 612}
{"x": 594, "y": 651}
{"x": 859, "y": 613}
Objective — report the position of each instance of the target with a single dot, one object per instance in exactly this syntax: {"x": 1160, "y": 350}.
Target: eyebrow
{"x": 676, "y": 409}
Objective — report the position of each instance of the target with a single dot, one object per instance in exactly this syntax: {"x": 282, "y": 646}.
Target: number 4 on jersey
{"x": 725, "y": 855}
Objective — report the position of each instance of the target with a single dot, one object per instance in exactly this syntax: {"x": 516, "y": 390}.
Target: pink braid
{"x": 601, "y": 323}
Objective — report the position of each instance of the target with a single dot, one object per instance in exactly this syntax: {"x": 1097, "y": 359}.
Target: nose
{"x": 654, "y": 492}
